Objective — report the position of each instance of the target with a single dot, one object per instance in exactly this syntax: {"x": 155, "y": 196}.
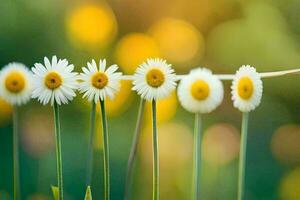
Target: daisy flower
{"x": 246, "y": 89}
{"x": 200, "y": 91}
{"x": 15, "y": 83}
{"x": 154, "y": 79}
{"x": 99, "y": 82}
{"x": 54, "y": 81}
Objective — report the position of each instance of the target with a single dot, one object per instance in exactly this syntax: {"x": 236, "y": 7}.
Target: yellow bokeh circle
{"x": 166, "y": 109}
{"x": 6, "y": 112}
{"x": 122, "y": 100}
{"x": 285, "y": 144}
{"x": 91, "y": 26}
{"x": 290, "y": 184}
{"x": 133, "y": 49}
{"x": 175, "y": 145}
{"x": 220, "y": 144}
{"x": 180, "y": 42}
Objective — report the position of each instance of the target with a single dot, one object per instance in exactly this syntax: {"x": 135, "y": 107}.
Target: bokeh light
{"x": 4, "y": 195}
{"x": 122, "y": 100}
{"x": 91, "y": 26}
{"x": 98, "y": 138}
{"x": 166, "y": 109}
{"x": 6, "y": 112}
{"x": 175, "y": 148}
{"x": 43, "y": 131}
{"x": 263, "y": 33}
{"x": 133, "y": 49}
{"x": 220, "y": 144}
{"x": 290, "y": 185}
{"x": 180, "y": 42}
{"x": 285, "y": 144}
{"x": 217, "y": 34}
{"x": 38, "y": 196}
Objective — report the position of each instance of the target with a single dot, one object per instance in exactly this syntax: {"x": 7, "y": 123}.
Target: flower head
{"x": 54, "y": 81}
{"x": 154, "y": 79}
{"x": 15, "y": 83}
{"x": 246, "y": 89}
{"x": 99, "y": 82}
{"x": 200, "y": 91}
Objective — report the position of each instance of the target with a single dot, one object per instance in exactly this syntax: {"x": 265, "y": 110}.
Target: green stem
{"x": 197, "y": 155}
{"x": 58, "y": 151}
{"x": 16, "y": 182}
{"x": 105, "y": 152}
{"x": 243, "y": 154}
{"x": 155, "y": 154}
{"x": 133, "y": 150}
{"x": 91, "y": 146}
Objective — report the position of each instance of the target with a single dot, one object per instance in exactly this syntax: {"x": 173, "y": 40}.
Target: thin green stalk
{"x": 16, "y": 182}
{"x": 133, "y": 150}
{"x": 58, "y": 151}
{"x": 155, "y": 154}
{"x": 91, "y": 146}
{"x": 197, "y": 155}
{"x": 243, "y": 154}
{"x": 105, "y": 152}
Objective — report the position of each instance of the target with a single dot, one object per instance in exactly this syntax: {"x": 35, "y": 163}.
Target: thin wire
{"x": 227, "y": 77}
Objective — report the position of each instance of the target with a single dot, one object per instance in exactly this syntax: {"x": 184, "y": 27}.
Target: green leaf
{"x": 55, "y": 192}
{"x": 88, "y": 194}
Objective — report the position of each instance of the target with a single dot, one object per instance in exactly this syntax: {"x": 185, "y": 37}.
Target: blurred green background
{"x": 218, "y": 34}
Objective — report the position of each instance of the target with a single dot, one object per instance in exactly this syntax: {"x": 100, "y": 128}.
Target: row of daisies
{"x": 55, "y": 81}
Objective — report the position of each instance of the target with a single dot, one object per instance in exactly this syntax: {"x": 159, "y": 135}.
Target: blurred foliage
{"x": 218, "y": 34}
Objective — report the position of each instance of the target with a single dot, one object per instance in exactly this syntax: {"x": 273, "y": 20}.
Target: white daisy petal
{"x": 246, "y": 89}
{"x": 154, "y": 79}
{"x": 54, "y": 82}
{"x": 98, "y": 84}
{"x": 16, "y": 83}
{"x": 200, "y": 91}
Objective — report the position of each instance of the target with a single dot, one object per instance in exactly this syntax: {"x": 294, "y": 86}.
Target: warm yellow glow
{"x": 200, "y": 90}
{"x": 155, "y": 78}
{"x": 176, "y": 154}
{"x": 245, "y": 88}
{"x": 180, "y": 41}
{"x": 38, "y": 196}
{"x": 43, "y": 131}
{"x": 6, "y": 112}
{"x": 166, "y": 109}
{"x": 290, "y": 184}
{"x": 220, "y": 144}
{"x": 285, "y": 144}
{"x": 122, "y": 101}
{"x": 133, "y": 49}
{"x": 91, "y": 25}
{"x": 99, "y": 80}
{"x": 15, "y": 82}
{"x": 53, "y": 80}
{"x": 175, "y": 146}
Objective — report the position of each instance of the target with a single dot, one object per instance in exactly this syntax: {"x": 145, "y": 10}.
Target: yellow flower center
{"x": 155, "y": 78}
{"x": 245, "y": 88}
{"x": 200, "y": 90}
{"x": 15, "y": 82}
{"x": 99, "y": 80}
{"x": 53, "y": 80}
